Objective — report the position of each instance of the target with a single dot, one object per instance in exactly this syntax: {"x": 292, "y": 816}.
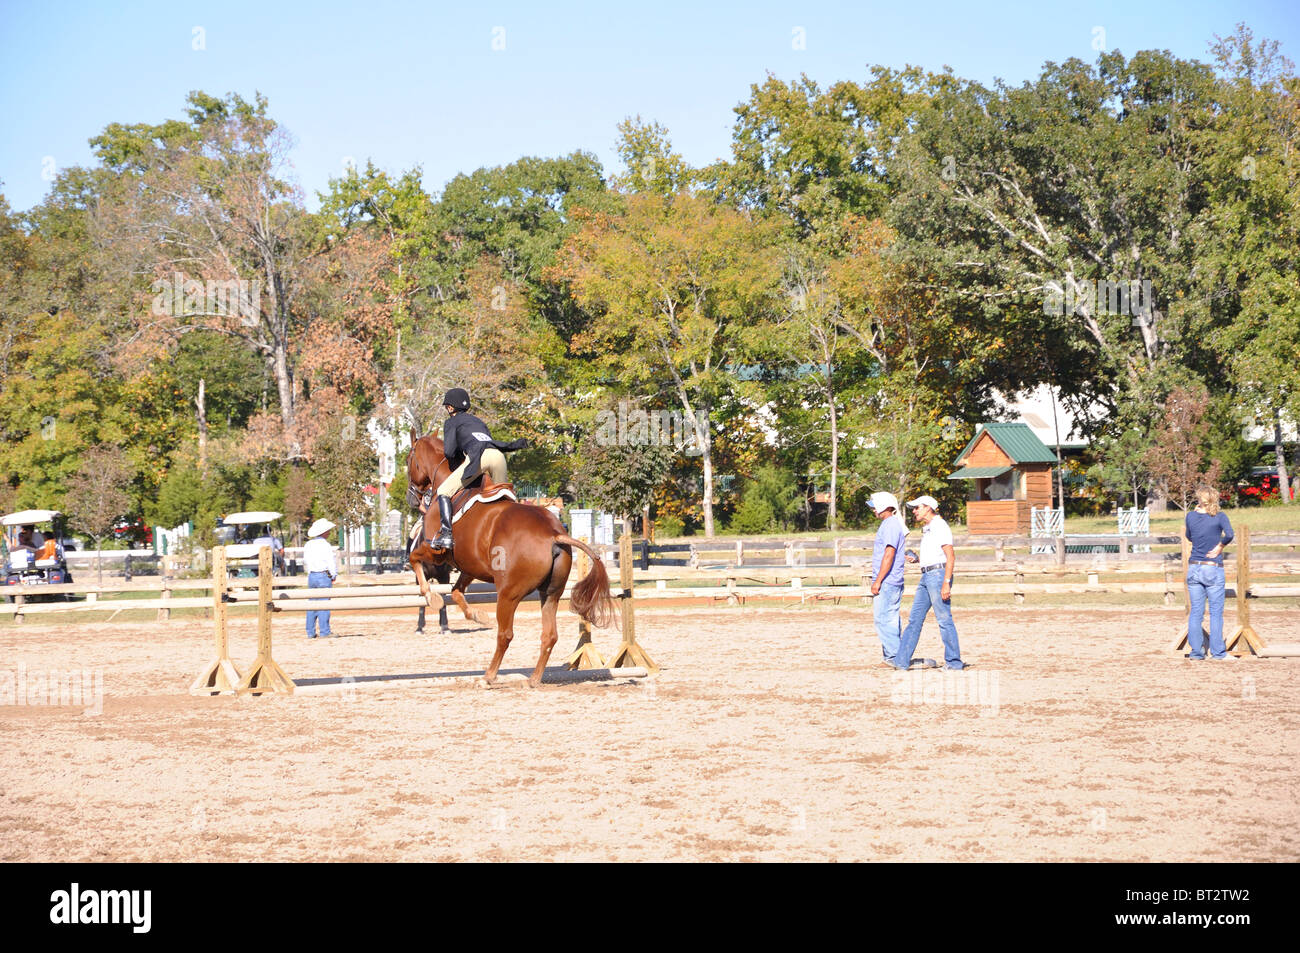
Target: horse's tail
{"x": 590, "y": 597}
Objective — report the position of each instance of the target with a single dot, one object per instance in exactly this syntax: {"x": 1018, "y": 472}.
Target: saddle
{"x": 484, "y": 492}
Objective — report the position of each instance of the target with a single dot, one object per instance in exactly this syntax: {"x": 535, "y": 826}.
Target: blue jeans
{"x": 1205, "y": 583}
{"x": 927, "y": 595}
{"x": 318, "y": 580}
{"x": 884, "y": 612}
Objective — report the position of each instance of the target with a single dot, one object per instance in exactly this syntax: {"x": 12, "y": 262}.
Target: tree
{"x": 670, "y": 282}
{"x": 97, "y": 495}
{"x": 1178, "y": 456}
{"x": 1122, "y": 468}
{"x": 1252, "y": 252}
{"x": 209, "y": 213}
{"x": 344, "y": 462}
{"x": 620, "y": 476}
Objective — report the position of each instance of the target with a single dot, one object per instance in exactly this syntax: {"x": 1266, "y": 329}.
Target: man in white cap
{"x": 322, "y": 570}
{"x": 937, "y": 558}
{"x": 887, "y": 572}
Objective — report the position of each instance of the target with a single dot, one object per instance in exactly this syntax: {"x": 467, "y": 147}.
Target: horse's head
{"x": 427, "y": 464}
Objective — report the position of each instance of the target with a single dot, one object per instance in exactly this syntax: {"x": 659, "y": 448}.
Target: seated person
{"x": 29, "y": 539}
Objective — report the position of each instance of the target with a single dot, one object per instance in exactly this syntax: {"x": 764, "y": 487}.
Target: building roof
{"x": 1017, "y": 441}
{"x": 978, "y": 473}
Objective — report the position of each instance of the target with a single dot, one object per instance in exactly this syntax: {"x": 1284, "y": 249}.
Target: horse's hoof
{"x": 534, "y": 684}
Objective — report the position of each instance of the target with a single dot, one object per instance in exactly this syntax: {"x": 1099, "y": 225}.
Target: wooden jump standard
{"x": 222, "y": 677}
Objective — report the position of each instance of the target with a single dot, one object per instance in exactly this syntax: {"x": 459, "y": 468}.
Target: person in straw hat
{"x": 322, "y": 570}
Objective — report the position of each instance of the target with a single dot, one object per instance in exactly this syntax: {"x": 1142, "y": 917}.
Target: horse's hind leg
{"x": 443, "y": 575}
{"x": 506, "y": 606}
{"x": 550, "y": 594}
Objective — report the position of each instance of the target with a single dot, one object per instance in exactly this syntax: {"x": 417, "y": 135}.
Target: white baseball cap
{"x": 320, "y": 528}
{"x": 883, "y": 501}
{"x": 927, "y": 500}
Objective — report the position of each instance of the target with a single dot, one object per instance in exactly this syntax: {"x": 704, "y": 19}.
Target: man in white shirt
{"x": 322, "y": 570}
{"x": 937, "y": 558}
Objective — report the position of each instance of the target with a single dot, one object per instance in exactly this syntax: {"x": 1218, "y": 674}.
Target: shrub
{"x": 669, "y": 526}
{"x": 753, "y": 515}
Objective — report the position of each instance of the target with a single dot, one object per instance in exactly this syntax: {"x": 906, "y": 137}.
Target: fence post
{"x": 1019, "y": 595}
{"x": 999, "y": 553}
{"x": 19, "y": 601}
{"x": 789, "y": 554}
{"x": 645, "y": 554}
{"x": 837, "y": 551}
{"x": 1060, "y": 550}
{"x": 165, "y": 564}
{"x": 127, "y": 573}
{"x": 740, "y": 553}
{"x": 1123, "y": 548}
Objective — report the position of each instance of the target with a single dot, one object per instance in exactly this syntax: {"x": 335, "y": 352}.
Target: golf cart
{"x": 35, "y": 559}
{"x": 243, "y": 534}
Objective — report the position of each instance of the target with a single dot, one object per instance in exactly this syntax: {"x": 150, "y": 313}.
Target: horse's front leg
{"x": 417, "y": 563}
{"x": 458, "y": 594}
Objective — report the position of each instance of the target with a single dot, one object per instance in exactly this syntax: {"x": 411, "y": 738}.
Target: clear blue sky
{"x": 420, "y": 83}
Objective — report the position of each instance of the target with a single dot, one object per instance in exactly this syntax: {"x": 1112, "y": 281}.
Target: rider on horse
{"x": 470, "y": 451}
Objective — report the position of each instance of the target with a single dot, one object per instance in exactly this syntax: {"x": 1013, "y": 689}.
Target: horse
{"x": 422, "y": 475}
{"x": 521, "y": 549}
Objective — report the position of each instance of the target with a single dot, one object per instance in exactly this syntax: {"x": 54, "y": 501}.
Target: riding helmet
{"x": 458, "y": 398}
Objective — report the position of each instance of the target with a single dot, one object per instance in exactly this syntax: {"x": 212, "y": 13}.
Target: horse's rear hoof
{"x": 444, "y": 631}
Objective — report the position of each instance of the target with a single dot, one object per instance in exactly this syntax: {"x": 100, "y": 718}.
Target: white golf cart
{"x": 243, "y": 534}
{"x": 35, "y": 560}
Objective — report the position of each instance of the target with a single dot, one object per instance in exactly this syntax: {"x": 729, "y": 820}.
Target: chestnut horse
{"x": 426, "y": 467}
{"x": 521, "y": 549}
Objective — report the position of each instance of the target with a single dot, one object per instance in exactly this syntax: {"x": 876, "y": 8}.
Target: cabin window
{"x": 1003, "y": 487}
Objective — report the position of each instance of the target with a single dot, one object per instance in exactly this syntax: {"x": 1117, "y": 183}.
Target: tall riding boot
{"x": 444, "y": 513}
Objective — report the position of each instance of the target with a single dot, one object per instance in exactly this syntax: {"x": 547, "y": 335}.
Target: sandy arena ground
{"x": 771, "y": 734}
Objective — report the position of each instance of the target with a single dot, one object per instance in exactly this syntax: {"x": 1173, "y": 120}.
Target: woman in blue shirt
{"x": 1209, "y": 531}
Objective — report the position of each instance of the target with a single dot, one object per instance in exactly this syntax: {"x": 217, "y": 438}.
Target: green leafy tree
{"x": 669, "y": 284}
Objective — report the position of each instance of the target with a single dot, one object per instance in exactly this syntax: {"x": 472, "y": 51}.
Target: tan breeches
{"x": 492, "y": 462}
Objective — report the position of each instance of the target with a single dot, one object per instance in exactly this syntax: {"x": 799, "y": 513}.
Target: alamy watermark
{"x": 232, "y": 297}
{"x": 634, "y": 427}
{"x": 941, "y": 687}
{"x": 1086, "y": 297}
{"x": 82, "y": 688}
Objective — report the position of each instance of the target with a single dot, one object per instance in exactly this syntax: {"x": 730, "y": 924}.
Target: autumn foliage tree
{"x": 1177, "y": 460}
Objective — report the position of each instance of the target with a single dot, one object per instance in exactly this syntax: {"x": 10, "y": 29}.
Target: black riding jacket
{"x": 464, "y": 438}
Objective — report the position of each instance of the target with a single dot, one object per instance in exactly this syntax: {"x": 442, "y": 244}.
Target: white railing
{"x": 1045, "y": 523}
{"x": 1135, "y": 522}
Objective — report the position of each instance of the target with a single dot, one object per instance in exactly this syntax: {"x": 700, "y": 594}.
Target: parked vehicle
{"x": 45, "y": 564}
{"x": 243, "y": 534}
{"x": 1261, "y": 485}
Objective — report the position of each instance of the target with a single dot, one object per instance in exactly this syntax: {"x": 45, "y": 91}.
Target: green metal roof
{"x": 978, "y": 473}
{"x": 1016, "y": 440}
